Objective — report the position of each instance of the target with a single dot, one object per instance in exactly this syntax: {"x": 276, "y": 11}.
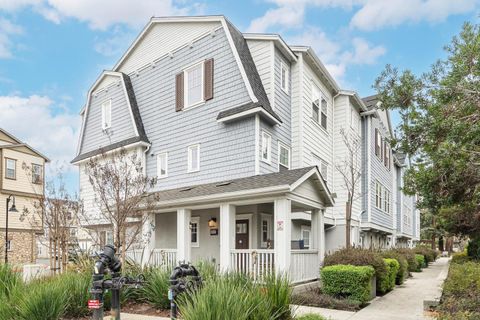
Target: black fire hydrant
{"x": 108, "y": 262}
{"x": 179, "y": 282}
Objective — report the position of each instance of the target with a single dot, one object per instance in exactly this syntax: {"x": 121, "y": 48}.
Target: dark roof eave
{"x": 247, "y": 110}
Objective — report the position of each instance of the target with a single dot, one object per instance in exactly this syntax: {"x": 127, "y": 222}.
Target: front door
{"x": 241, "y": 234}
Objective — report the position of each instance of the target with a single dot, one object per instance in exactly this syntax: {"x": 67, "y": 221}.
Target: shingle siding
{"x": 283, "y": 109}
{"x": 226, "y": 150}
{"x": 122, "y": 125}
{"x": 384, "y": 176}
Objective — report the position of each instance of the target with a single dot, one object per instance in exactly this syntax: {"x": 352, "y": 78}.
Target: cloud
{"x": 115, "y": 44}
{"x": 7, "y": 29}
{"x": 379, "y": 13}
{"x": 100, "y": 15}
{"x": 337, "y": 55}
{"x": 40, "y": 122}
{"x": 368, "y": 14}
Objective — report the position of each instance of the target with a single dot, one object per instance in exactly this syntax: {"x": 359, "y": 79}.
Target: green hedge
{"x": 460, "y": 257}
{"x": 402, "y": 273}
{"x": 473, "y": 248}
{"x": 388, "y": 283}
{"x": 421, "y": 263}
{"x": 429, "y": 254}
{"x": 347, "y": 281}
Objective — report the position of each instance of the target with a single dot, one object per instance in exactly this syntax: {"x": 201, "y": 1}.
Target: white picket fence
{"x": 159, "y": 257}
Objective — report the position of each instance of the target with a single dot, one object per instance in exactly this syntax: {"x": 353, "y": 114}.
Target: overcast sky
{"x": 51, "y": 51}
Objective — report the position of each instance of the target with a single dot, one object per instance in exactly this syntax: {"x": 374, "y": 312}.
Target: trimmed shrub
{"x": 429, "y": 254}
{"x": 388, "y": 283}
{"x": 461, "y": 292}
{"x": 347, "y": 281}
{"x": 359, "y": 257}
{"x": 409, "y": 255}
{"x": 473, "y": 248}
{"x": 311, "y": 316}
{"x": 402, "y": 273}
{"x": 420, "y": 262}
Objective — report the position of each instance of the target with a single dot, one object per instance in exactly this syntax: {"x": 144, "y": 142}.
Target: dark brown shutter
{"x": 179, "y": 96}
{"x": 208, "y": 78}
{"x": 377, "y": 151}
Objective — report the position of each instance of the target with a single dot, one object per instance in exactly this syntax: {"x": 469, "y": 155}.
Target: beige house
{"x": 21, "y": 179}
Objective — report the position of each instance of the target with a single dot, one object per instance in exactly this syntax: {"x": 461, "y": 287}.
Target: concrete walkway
{"x": 405, "y": 302}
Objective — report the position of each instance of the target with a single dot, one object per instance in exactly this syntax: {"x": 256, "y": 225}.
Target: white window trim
{"x": 195, "y": 220}
{"x": 185, "y": 85}
{"x": 106, "y": 125}
{"x": 159, "y": 175}
{"x": 189, "y": 158}
{"x": 309, "y": 229}
{"x": 319, "y": 160}
{"x": 7, "y": 160}
{"x": 268, "y": 219}
{"x": 283, "y": 145}
{"x": 283, "y": 66}
{"x": 269, "y": 154}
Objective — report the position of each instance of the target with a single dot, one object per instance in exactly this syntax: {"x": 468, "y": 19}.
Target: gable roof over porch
{"x": 306, "y": 182}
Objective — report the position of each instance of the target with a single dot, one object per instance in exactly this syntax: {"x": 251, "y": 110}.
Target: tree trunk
{"x": 348, "y": 225}
{"x": 434, "y": 227}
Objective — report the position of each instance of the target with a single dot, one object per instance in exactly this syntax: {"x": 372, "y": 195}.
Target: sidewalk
{"x": 405, "y": 302}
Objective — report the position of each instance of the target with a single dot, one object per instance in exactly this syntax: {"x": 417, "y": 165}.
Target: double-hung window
{"x": 305, "y": 233}
{"x": 283, "y": 155}
{"x": 162, "y": 165}
{"x": 284, "y": 74}
{"x": 323, "y": 115}
{"x": 194, "y": 231}
{"x": 194, "y": 85}
{"x": 266, "y": 147}
{"x": 194, "y": 158}
{"x": 107, "y": 114}
{"x": 10, "y": 168}
{"x": 37, "y": 174}
{"x": 378, "y": 143}
{"x": 378, "y": 195}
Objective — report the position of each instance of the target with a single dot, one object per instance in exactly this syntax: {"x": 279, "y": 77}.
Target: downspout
{"x": 145, "y": 159}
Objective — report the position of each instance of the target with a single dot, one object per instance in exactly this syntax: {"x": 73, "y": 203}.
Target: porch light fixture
{"x": 212, "y": 223}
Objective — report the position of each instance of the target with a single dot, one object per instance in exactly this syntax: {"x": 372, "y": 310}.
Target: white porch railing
{"x": 304, "y": 265}
{"x": 159, "y": 257}
{"x": 256, "y": 263}
{"x": 164, "y": 258}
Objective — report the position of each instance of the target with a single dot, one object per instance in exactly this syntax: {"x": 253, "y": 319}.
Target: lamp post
{"x": 7, "y": 210}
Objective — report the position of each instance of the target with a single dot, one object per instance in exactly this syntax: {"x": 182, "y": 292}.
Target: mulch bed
{"x": 315, "y": 298}
{"x": 145, "y": 309}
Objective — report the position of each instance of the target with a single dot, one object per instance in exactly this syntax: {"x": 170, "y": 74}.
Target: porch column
{"x": 283, "y": 235}
{"x": 148, "y": 235}
{"x": 183, "y": 235}
{"x": 322, "y": 236}
{"x": 227, "y": 234}
{"x": 317, "y": 228}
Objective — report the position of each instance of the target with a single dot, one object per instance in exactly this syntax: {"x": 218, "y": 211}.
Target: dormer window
{"x": 107, "y": 114}
{"x": 194, "y": 85}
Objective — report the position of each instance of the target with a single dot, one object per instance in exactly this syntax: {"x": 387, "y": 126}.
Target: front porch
{"x": 279, "y": 232}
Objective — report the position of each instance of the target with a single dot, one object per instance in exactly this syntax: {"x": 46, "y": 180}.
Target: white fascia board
{"x": 128, "y": 146}
{"x": 249, "y": 112}
{"x": 278, "y": 41}
{"x": 356, "y": 97}
{"x": 227, "y": 196}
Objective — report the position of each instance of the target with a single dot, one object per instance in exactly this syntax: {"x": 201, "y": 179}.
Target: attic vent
{"x": 186, "y": 189}
{"x": 225, "y": 183}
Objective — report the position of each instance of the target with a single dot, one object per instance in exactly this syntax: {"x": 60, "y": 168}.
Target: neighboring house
{"x": 242, "y": 132}
{"x": 22, "y": 178}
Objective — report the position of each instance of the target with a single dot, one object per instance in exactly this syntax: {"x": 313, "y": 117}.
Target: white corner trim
{"x": 257, "y": 144}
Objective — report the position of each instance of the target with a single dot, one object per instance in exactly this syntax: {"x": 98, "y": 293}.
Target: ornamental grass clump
{"x": 76, "y": 288}
{"x": 44, "y": 300}
{"x": 347, "y": 281}
{"x": 402, "y": 273}
{"x": 155, "y": 289}
{"x": 233, "y": 296}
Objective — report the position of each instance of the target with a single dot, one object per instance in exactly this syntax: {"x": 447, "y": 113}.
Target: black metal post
{"x": 6, "y": 230}
{"x": 115, "y": 309}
